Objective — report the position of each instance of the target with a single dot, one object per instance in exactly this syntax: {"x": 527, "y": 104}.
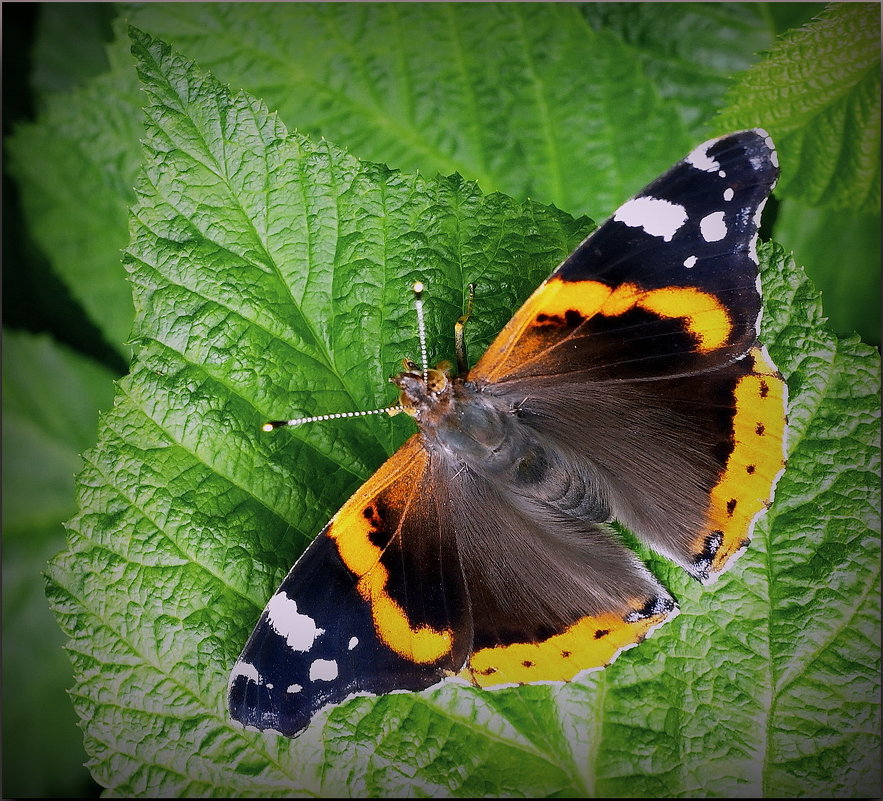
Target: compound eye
{"x": 436, "y": 381}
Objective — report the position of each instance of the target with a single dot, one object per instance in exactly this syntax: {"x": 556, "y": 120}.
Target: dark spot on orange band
{"x": 527, "y": 663}
{"x": 731, "y": 506}
{"x": 764, "y": 388}
{"x": 750, "y": 469}
{"x": 573, "y": 318}
{"x": 601, "y": 633}
{"x": 570, "y": 319}
{"x": 759, "y": 429}
{"x": 565, "y": 654}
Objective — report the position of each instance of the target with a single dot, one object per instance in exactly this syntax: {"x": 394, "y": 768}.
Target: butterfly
{"x": 630, "y": 386}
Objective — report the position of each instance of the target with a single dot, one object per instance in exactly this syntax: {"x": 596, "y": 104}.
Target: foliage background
{"x": 576, "y": 106}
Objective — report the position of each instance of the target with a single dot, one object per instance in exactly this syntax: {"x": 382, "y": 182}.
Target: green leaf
{"x": 69, "y": 45}
{"x": 689, "y": 51}
{"x": 528, "y": 99}
{"x": 271, "y": 277}
{"x": 514, "y": 96}
{"x": 841, "y": 252}
{"x": 50, "y": 398}
{"x": 818, "y": 93}
{"x": 75, "y": 170}
{"x": 551, "y": 101}
{"x": 825, "y": 586}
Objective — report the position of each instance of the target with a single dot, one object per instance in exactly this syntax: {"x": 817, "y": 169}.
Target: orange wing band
{"x": 704, "y": 316}
{"x": 746, "y": 487}
{"x": 591, "y": 642}
{"x": 351, "y": 530}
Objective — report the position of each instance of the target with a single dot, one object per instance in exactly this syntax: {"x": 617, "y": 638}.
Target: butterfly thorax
{"x": 456, "y": 417}
{"x": 483, "y": 432}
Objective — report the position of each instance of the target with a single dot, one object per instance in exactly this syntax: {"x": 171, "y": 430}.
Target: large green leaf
{"x": 51, "y": 399}
{"x": 531, "y": 99}
{"x": 271, "y": 278}
{"x": 818, "y": 93}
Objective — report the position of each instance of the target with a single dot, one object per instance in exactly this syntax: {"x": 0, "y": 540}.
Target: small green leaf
{"x": 50, "y": 402}
{"x": 271, "y": 277}
{"x": 818, "y": 93}
{"x": 844, "y": 266}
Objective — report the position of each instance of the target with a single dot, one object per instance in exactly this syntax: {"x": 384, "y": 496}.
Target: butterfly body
{"x": 631, "y": 386}
{"x": 472, "y": 428}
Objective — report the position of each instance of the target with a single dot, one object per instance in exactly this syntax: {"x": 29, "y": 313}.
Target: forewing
{"x": 667, "y": 286}
{"x": 375, "y": 604}
{"x": 640, "y": 354}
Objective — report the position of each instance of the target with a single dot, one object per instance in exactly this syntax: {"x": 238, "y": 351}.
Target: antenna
{"x": 417, "y": 288}
{"x": 421, "y": 327}
{"x": 271, "y": 424}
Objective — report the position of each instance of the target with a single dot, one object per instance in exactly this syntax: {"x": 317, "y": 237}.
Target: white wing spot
{"x": 722, "y": 173}
{"x": 690, "y": 261}
{"x": 323, "y": 670}
{"x": 248, "y": 670}
{"x": 768, "y": 141}
{"x": 713, "y": 227}
{"x": 300, "y": 631}
{"x": 657, "y": 217}
{"x": 700, "y": 159}
{"x": 354, "y": 641}
{"x": 729, "y": 193}
{"x": 293, "y": 688}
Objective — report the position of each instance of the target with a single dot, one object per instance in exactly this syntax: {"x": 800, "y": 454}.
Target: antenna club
{"x": 418, "y": 287}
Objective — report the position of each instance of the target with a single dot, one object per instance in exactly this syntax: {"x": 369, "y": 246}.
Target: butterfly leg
{"x": 459, "y": 335}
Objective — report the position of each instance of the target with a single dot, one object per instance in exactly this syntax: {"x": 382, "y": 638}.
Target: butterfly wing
{"x": 430, "y": 571}
{"x": 666, "y": 286}
{"x": 376, "y": 603}
{"x": 641, "y": 347}
{"x": 549, "y": 596}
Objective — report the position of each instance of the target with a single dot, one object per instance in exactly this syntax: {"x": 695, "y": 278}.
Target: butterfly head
{"x": 422, "y": 390}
